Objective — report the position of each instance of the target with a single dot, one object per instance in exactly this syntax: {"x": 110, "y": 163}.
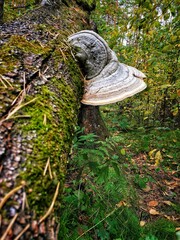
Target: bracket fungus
{"x": 107, "y": 80}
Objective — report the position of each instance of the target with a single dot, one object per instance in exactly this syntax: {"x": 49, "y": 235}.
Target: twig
{"x": 3, "y": 80}
{"x": 64, "y": 56}
{"x": 21, "y": 93}
{"x": 45, "y": 70}
{"x": 23, "y": 201}
{"x": 9, "y": 194}
{"x": 52, "y": 204}
{"x": 45, "y": 169}
{"x": 21, "y": 116}
{"x": 48, "y": 166}
{"x": 27, "y": 204}
{"x": 9, "y": 227}
{"x": 23, "y": 231}
{"x": 18, "y": 108}
{"x": 50, "y": 172}
{"x": 15, "y": 109}
{"x": 3, "y": 83}
{"x": 7, "y": 82}
{"x": 45, "y": 119}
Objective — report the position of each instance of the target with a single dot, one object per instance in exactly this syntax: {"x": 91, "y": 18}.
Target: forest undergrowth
{"x": 125, "y": 187}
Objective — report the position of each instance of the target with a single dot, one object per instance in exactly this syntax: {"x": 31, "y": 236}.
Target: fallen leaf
{"x": 147, "y": 188}
{"x": 80, "y": 231}
{"x": 171, "y": 184}
{"x": 158, "y": 158}
{"x": 142, "y": 223}
{"x": 167, "y": 203}
{"x": 153, "y": 212}
{"x": 151, "y": 153}
{"x": 168, "y": 217}
{"x": 152, "y": 203}
{"x": 121, "y": 203}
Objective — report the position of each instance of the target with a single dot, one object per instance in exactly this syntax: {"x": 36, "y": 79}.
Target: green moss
{"x": 51, "y": 126}
{"x": 22, "y": 43}
{"x": 11, "y": 52}
{"x": 11, "y": 12}
{"x": 12, "y": 58}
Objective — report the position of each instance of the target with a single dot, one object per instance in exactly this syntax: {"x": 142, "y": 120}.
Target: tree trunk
{"x": 41, "y": 88}
{"x": 90, "y": 119}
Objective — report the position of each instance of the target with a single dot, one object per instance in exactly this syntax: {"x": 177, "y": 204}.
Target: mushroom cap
{"x": 90, "y": 44}
{"x": 108, "y": 80}
{"x": 116, "y": 86}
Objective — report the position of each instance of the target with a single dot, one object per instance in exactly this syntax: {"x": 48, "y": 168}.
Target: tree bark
{"x": 90, "y": 118}
{"x": 41, "y": 88}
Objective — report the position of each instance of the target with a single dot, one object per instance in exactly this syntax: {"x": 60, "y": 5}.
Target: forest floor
{"x": 158, "y": 190}
{"x": 150, "y": 162}
{"x": 151, "y": 156}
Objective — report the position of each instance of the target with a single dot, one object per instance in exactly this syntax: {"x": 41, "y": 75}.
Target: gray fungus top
{"x": 106, "y": 79}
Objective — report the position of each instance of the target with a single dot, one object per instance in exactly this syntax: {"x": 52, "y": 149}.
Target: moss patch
{"x": 12, "y": 51}
{"x": 53, "y": 116}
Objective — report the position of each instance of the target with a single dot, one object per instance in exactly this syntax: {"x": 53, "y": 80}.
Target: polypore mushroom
{"x": 106, "y": 79}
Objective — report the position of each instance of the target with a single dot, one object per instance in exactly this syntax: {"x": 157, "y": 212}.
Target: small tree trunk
{"x": 90, "y": 118}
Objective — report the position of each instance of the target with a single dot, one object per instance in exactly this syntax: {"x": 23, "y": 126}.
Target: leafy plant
{"x": 162, "y": 229}
{"x": 98, "y": 156}
{"x": 99, "y": 198}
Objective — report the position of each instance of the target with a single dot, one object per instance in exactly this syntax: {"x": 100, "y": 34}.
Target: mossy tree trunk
{"x": 41, "y": 88}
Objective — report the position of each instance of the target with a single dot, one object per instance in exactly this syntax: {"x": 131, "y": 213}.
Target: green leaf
{"x": 123, "y": 151}
{"x": 103, "y": 174}
{"x": 93, "y": 166}
{"x": 116, "y": 168}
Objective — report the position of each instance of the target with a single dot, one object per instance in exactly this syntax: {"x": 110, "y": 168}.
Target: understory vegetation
{"x": 122, "y": 188}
